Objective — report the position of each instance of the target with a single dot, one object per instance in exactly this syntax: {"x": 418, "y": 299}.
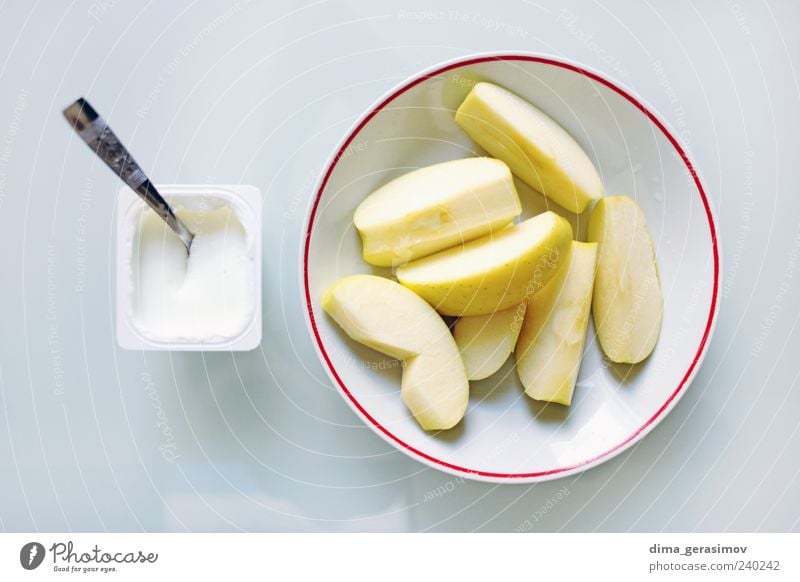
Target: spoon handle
{"x": 98, "y": 136}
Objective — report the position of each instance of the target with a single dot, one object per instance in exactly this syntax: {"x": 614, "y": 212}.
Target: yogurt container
{"x": 206, "y": 300}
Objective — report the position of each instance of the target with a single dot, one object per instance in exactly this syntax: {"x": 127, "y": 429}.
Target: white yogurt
{"x": 206, "y": 297}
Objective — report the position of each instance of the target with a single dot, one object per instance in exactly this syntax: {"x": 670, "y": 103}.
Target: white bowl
{"x": 506, "y": 436}
{"x": 247, "y": 202}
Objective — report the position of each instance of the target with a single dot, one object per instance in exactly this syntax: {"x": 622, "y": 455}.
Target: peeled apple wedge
{"x": 486, "y": 341}
{"x": 627, "y": 305}
{"x": 550, "y": 345}
{"x": 538, "y": 150}
{"x": 434, "y": 208}
{"x": 389, "y": 318}
{"x": 494, "y": 272}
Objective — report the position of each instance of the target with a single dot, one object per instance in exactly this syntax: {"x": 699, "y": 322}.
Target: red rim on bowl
{"x": 471, "y": 472}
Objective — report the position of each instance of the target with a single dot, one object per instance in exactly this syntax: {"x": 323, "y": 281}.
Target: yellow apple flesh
{"x": 550, "y": 345}
{"x": 486, "y": 341}
{"x": 494, "y": 272}
{"x": 536, "y": 148}
{"x": 389, "y": 318}
{"x": 434, "y": 208}
{"x": 627, "y": 305}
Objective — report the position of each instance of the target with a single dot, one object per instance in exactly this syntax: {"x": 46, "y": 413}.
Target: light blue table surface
{"x": 96, "y": 438}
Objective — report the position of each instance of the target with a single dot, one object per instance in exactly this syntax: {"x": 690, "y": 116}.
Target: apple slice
{"x": 434, "y": 208}
{"x": 494, "y": 272}
{"x": 486, "y": 341}
{"x": 387, "y": 317}
{"x": 627, "y": 304}
{"x": 550, "y": 345}
{"x": 535, "y": 147}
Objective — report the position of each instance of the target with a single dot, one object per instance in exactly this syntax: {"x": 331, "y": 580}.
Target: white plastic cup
{"x": 247, "y": 200}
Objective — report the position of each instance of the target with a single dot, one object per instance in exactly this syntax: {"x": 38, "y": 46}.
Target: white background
{"x": 262, "y": 555}
{"x": 260, "y": 93}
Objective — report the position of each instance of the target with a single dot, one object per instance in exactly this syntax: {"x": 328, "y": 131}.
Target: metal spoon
{"x": 98, "y": 136}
